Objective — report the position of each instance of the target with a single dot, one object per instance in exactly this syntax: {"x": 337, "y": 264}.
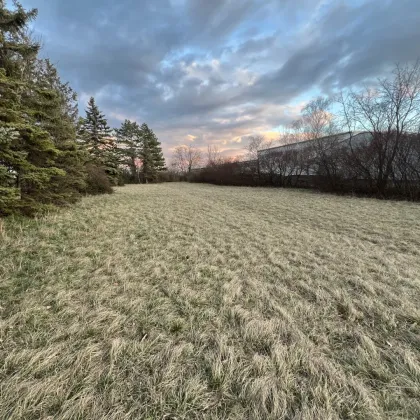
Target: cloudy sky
{"x": 214, "y": 71}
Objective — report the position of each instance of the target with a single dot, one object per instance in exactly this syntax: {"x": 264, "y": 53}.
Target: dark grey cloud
{"x": 214, "y": 19}
{"x": 221, "y": 69}
{"x": 347, "y": 46}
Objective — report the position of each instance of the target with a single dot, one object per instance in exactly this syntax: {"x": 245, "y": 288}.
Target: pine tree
{"x": 151, "y": 155}
{"x": 129, "y": 137}
{"x": 27, "y": 153}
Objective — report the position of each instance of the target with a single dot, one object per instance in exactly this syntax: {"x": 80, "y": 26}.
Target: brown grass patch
{"x": 180, "y": 301}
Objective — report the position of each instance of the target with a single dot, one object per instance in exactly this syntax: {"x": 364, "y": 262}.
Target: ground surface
{"x": 191, "y": 301}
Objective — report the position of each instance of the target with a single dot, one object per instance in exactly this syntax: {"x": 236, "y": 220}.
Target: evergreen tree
{"x": 151, "y": 155}
{"x": 112, "y": 158}
{"x": 129, "y": 137}
{"x": 96, "y": 136}
{"x": 27, "y": 153}
{"x": 60, "y": 121}
{"x": 95, "y": 131}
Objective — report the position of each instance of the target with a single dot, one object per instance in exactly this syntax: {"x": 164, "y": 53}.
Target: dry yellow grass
{"x": 181, "y": 301}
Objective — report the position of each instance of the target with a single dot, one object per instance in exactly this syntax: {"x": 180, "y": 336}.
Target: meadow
{"x": 187, "y": 301}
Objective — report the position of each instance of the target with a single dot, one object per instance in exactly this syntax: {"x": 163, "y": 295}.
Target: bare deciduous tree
{"x": 316, "y": 121}
{"x": 390, "y": 113}
{"x": 255, "y": 144}
{"x": 185, "y": 159}
{"x": 214, "y": 155}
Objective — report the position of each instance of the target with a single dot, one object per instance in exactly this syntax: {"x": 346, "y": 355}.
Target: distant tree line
{"x": 386, "y": 163}
{"x": 48, "y": 156}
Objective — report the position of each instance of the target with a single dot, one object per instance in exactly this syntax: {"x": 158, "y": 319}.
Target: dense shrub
{"x": 229, "y": 173}
{"x": 170, "y": 176}
{"x": 97, "y": 181}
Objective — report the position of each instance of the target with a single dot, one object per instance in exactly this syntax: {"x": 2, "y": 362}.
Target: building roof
{"x": 341, "y": 137}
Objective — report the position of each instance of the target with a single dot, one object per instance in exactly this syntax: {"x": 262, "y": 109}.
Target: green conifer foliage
{"x": 60, "y": 121}
{"x": 95, "y": 131}
{"x": 95, "y": 134}
{"x": 28, "y": 153}
{"x": 130, "y": 141}
{"x": 151, "y": 155}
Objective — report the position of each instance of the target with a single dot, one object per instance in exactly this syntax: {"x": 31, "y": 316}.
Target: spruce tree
{"x": 27, "y": 153}
{"x": 95, "y": 134}
{"x": 129, "y": 137}
{"x": 113, "y": 161}
{"x": 60, "y": 121}
{"x": 95, "y": 131}
{"x": 151, "y": 155}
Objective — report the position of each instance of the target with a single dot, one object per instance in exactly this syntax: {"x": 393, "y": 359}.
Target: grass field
{"x": 180, "y": 301}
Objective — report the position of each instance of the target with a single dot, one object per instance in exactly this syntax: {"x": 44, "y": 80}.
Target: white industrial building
{"x": 354, "y": 139}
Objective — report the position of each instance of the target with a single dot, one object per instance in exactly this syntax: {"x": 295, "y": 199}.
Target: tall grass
{"x": 184, "y": 301}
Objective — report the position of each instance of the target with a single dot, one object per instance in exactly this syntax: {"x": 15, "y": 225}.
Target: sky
{"x": 213, "y": 72}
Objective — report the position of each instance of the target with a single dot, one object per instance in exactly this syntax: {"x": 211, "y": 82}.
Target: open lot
{"x": 194, "y": 301}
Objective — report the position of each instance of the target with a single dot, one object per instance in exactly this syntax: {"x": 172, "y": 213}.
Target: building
{"x": 345, "y": 139}
{"x": 301, "y": 158}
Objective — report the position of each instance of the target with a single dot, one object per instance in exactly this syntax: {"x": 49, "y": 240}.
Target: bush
{"x": 97, "y": 181}
{"x": 170, "y": 176}
{"x": 229, "y": 173}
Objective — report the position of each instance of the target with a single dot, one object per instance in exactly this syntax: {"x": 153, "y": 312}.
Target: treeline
{"x": 49, "y": 156}
{"x": 369, "y": 145}
{"x": 129, "y": 154}
{"x": 330, "y": 165}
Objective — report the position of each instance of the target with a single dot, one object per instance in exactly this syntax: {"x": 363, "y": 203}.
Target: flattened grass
{"x": 200, "y": 302}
